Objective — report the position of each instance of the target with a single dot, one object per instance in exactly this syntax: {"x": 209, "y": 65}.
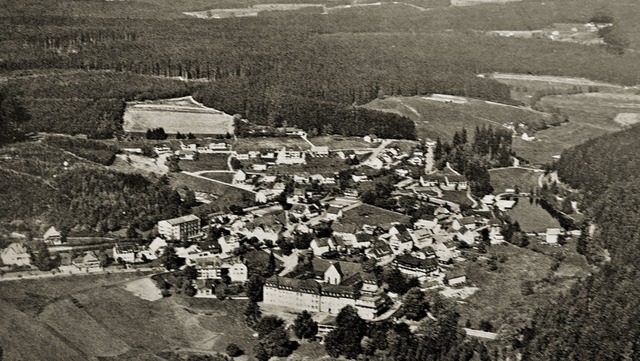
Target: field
{"x": 525, "y": 179}
{"x": 206, "y": 162}
{"x": 435, "y": 118}
{"x": 500, "y": 299}
{"x": 79, "y": 318}
{"x": 368, "y": 214}
{"x": 244, "y": 145}
{"x": 183, "y": 115}
{"x": 225, "y": 195}
{"x": 322, "y": 165}
{"x": 222, "y": 177}
{"x": 590, "y": 115}
{"x": 532, "y": 218}
{"x": 336, "y": 142}
{"x": 459, "y": 197}
{"x": 570, "y": 32}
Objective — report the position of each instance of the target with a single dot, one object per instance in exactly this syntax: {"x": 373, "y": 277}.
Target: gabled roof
{"x": 17, "y": 248}
{"x": 51, "y": 232}
{"x": 344, "y": 227}
{"x": 415, "y": 262}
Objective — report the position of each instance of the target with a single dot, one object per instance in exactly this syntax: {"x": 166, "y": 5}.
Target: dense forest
{"x": 599, "y": 318}
{"x": 295, "y": 68}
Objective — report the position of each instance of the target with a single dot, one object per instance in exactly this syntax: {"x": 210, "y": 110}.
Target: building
{"x": 416, "y": 267}
{"x": 455, "y": 277}
{"x": 132, "y": 254}
{"x": 290, "y": 157}
{"x": 213, "y": 268}
{"x": 181, "y": 228}
{"x": 551, "y": 236}
{"x": 16, "y": 254}
{"x": 341, "y": 284}
{"x": 89, "y": 262}
{"x": 52, "y": 236}
{"x": 158, "y": 246}
{"x": 319, "y": 151}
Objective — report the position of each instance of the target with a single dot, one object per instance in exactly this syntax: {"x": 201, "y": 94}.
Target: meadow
{"x": 503, "y": 178}
{"x": 532, "y": 217}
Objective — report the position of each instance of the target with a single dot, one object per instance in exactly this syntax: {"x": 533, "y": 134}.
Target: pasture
{"x": 368, "y": 214}
{"x": 336, "y": 142}
{"x": 263, "y": 144}
{"x": 503, "y": 178}
{"x": 532, "y": 217}
{"x": 205, "y": 162}
{"x": 224, "y": 195}
{"x": 183, "y": 115}
{"x": 441, "y": 119}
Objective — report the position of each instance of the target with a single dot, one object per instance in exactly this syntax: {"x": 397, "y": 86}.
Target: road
{"x": 377, "y": 151}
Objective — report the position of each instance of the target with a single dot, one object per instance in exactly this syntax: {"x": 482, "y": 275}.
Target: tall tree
{"x": 304, "y": 326}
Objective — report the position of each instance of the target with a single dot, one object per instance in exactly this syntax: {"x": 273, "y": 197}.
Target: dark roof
{"x": 456, "y": 272}
{"x": 293, "y": 284}
{"x": 346, "y": 269}
{"x": 344, "y": 291}
{"x": 410, "y": 261}
{"x": 344, "y": 227}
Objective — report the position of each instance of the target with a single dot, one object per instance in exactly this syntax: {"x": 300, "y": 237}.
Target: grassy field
{"x": 590, "y": 115}
{"x": 79, "y": 318}
{"x": 244, "y": 145}
{"x": 206, "y": 162}
{"x": 532, "y": 218}
{"x": 323, "y": 165}
{"x": 222, "y": 177}
{"x": 339, "y": 142}
{"x": 439, "y": 119}
{"x": 226, "y": 195}
{"x": 459, "y": 197}
{"x": 500, "y": 299}
{"x": 525, "y": 179}
{"x": 368, "y": 214}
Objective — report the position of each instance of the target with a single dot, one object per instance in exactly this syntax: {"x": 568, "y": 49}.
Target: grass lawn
{"x": 222, "y": 177}
{"x": 227, "y": 195}
{"x": 206, "y": 162}
{"x": 335, "y": 142}
{"x": 525, "y": 179}
{"x": 323, "y": 165}
{"x": 532, "y": 217}
{"x": 500, "y": 299}
{"x": 459, "y": 197}
{"x": 368, "y": 214}
{"x": 262, "y": 144}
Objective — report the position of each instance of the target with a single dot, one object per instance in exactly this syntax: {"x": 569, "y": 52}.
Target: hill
{"x": 442, "y": 116}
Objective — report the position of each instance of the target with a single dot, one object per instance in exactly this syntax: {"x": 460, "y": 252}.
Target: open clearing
{"x": 539, "y": 82}
{"x": 532, "y": 217}
{"x": 439, "y": 118}
{"x": 136, "y": 162}
{"x": 206, "y": 162}
{"x": 144, "y": 288}
{"x": 183, "y": 115}
{"x": 335, "y": 142}
{"x": 525, "y": 179}
{"x": 590, "y": 115}
{"x": 627, "y": 119}
{"x": 263, "y": 144}
{"x": 500, "y": 299}
{"x": 368, "y": 214}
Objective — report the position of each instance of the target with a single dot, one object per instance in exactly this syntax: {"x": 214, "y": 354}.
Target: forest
{"x": 301, "y": 69}
{"x": 579, "y": 325}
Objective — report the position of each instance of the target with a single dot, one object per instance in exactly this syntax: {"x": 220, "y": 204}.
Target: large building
{"x": 290, "y": 157}
{"x": 213, "y": 268}
{"x": 181, "y": 228}
{"x": 341, "y": 284}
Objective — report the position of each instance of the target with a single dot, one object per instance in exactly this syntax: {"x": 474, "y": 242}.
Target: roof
{"x": 345, "y": 291}
{"x": 346, "y": 269}
{"x": 411, "y": 261}
{"x": 294, "y": 284}
{"x": 17, "y": 248}
{"x": 321, "y": 242}
{"x": 333, "y": 210}
{"x": 51, "y": 232}
{"x": 183, "y": 219}
{"x": 344, "y": 227}
{"x": 455, "y": 273}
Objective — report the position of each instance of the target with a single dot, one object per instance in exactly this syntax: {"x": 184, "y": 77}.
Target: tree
{"x": 268, "y": 324}
{"x": 252, "y": 314}
{"x": 254, "y": 288}
{"x": 414, "y": 304}
{"x": 42, "y": 258}
{"x": 170, "y": 259}
{"x": 190, "y": 273}
{"x": 304, "y": 326}
{"x": 131, "y": 232}
{"x": 12, "y": 117}
{"x": 234, "y": 350}
{"x": 271, "y": 265}
{"x": 273, "y": 337}
{"x": 346, "y": 338}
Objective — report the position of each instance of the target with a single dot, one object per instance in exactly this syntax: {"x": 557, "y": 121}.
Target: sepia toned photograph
{"x": 301, "y": 180}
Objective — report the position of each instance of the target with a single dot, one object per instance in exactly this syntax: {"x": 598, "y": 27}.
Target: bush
{"x": 234, "y": 350}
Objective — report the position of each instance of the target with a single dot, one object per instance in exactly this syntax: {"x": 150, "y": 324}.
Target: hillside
{"x": 435, "y": 117}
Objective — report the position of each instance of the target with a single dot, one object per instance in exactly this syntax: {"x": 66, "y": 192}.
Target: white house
{"x": 552, "y": 235}
{"x": 16, "y": 254}
{"x": 52, "y": 236}
{"x": 239, "y": 177}
{"x": 158, "y": 246}
{"x": 319, "y": 151}
{"x": 290, "y": 157}
{"x": 320, "y": 246}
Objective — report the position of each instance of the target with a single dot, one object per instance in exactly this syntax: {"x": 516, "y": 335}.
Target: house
{"x": 259, "y": 167}
{"x": 375, "y": 163}
{"x": 422, "y": 237}
{"x": 350, "y": 192}
{"x": 131, "y": 254}
{"x": 456, "y": 276}
{"x": 242, "y": 156}
{"x": 204, "y": 289}
{"x": 158, "y": 246}
{"x": 218, "y": 146}
{"x": 380, "y": 251}
{"x": 189, "y": 147}
{"x": 363, "y": 240}
{"x": 290, "y": 157}
{"x": 16, "y": 254}
{"x": 319, "y": 151}
{"x": 320, "y": 246}
{"x": 334, "y": 213}
{"x": 213, "y": 268}
{"x": 345, "y": 230}
{"x": 239, "y": 177}
{"x": 89, "y": 261}
{"x": 181, "y": 228}
{"x": 301, "y": 178}
{"x": 228, "y": 244}
{"x": 161, "y": 149}
{"x": 359, "y": 178}
{"x": 504, "y": 204}
{"x": 338, "y": 244}
{"x": 551, "y": 236}
{"x": 371, "y": 138}
{"x": 414, "y": 266}
{"x": 52, "y": 236}
{"x": 186, "y": 154}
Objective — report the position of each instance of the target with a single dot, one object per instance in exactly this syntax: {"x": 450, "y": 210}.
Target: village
{"x": 329, "y": 244}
